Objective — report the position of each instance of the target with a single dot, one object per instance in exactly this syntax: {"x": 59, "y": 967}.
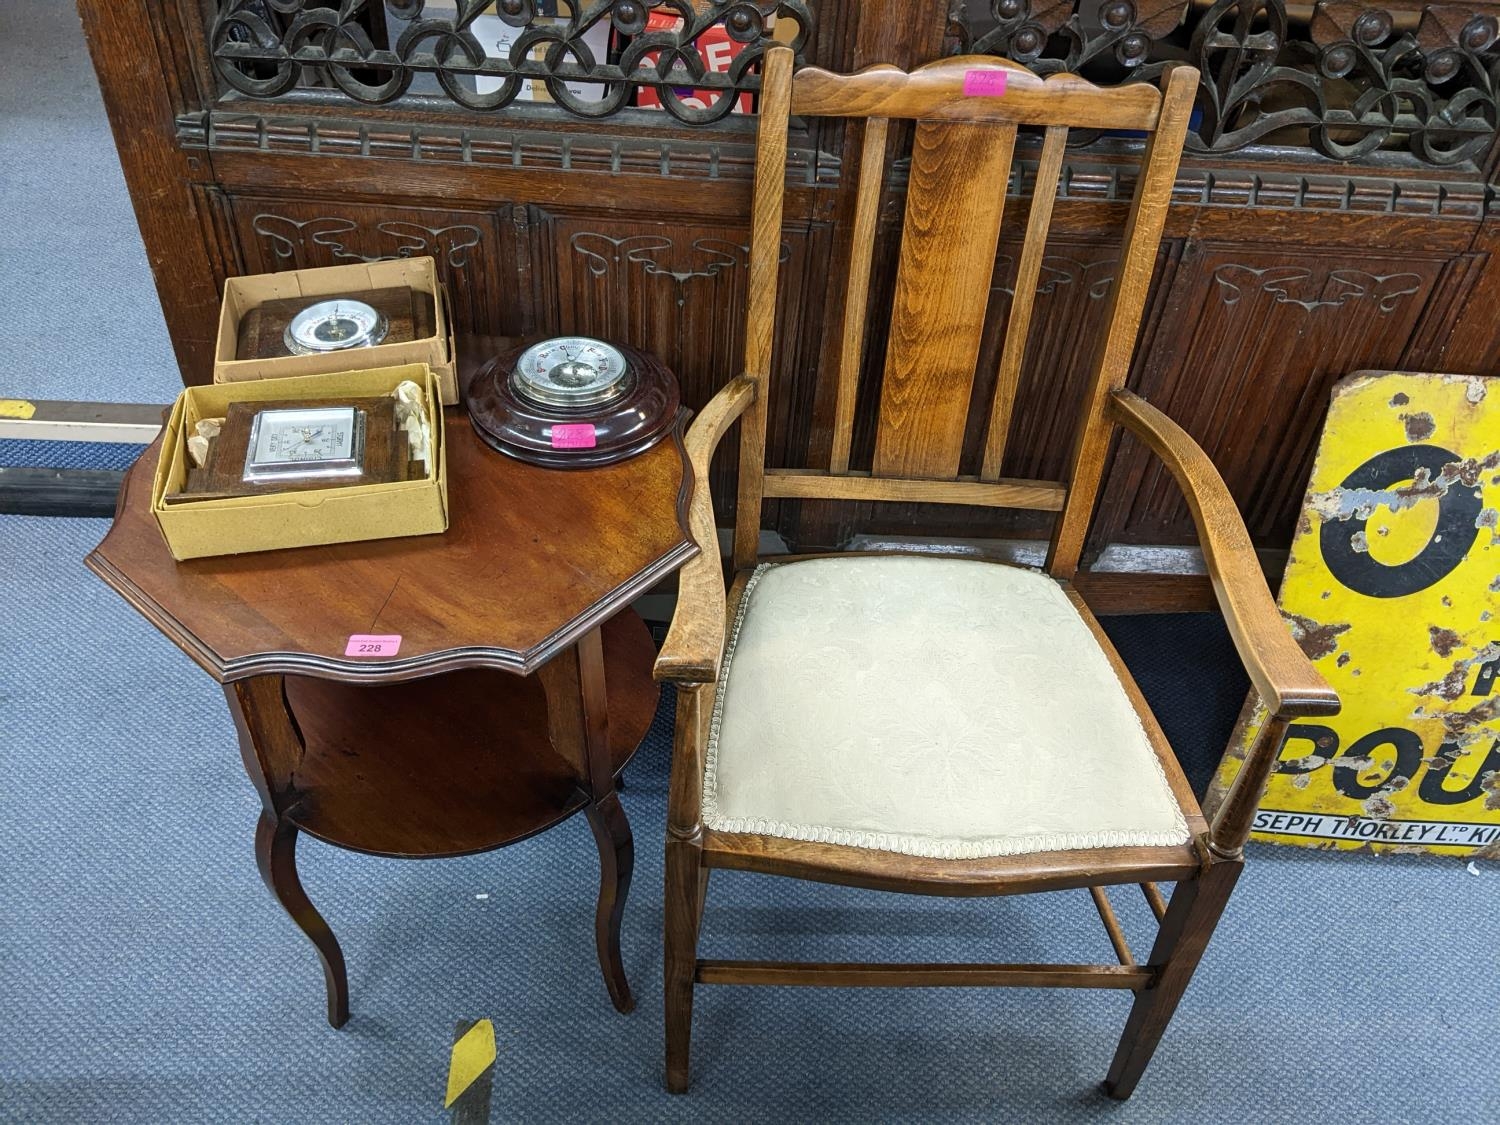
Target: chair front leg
{"x": 686, "y": 883}
{"x": 1189, "y": 922}
{"x": 686, "y": 877}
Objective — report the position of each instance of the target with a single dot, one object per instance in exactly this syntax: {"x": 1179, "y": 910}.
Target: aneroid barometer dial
{"x": 571, "y": 371}
{"x": 332, "y": 326}
{"x": 306, "y": 443}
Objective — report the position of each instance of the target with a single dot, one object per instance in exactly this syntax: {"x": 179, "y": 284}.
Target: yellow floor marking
{"x": 16, "y": 408}
{"x": 472, "y": 1055}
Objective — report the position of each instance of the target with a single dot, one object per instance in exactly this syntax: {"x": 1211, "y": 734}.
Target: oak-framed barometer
{"x": 318, "y": 325}
{"x": 287, "y": 446}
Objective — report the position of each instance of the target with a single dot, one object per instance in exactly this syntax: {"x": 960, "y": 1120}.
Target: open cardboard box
{"x": 241, "y": 294}
{"x": 241, "y": 524}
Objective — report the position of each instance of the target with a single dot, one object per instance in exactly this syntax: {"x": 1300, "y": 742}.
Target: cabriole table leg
{"x": 578, "y": 720}
{"x": 276, "y": 855}
{"x": 270, "y": 745}
{"x": 616, "y": 862}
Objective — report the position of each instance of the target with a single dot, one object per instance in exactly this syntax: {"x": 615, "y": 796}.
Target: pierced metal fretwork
{"x": 590, "y": 60}
{"x": 1342, "y": 77}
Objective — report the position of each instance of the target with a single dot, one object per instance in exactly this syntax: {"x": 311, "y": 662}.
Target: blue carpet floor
{"x": 150, "y": 977}
{"x": 31, "y": 453}
{"x": 71, "y": 260}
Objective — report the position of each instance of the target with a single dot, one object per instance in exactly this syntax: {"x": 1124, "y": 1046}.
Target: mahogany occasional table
{"x": 521, "y": 687}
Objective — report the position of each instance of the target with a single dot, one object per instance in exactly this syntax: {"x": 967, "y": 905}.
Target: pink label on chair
{"x": 984, "y": 83}
{"x": 366, "y": 644}
{"x": 573, "y": 435}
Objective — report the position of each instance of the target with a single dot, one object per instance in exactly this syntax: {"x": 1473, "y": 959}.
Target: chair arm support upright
{"x": 695, "y": 640}
{"x": 1285, "y": 678}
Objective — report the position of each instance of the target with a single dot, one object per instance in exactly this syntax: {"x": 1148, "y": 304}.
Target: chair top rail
{"x": 975, "y": 88}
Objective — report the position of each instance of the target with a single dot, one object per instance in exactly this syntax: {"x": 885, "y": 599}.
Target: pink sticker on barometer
{"x": 984, "y": 83}
{"x": 573, "y": 435}
{"x": 367, "y": 644}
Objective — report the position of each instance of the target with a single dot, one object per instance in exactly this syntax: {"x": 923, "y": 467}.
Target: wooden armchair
{"x": 941, "y": 726}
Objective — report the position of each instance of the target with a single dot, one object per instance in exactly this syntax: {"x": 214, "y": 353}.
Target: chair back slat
{"x": 1127, "y": 302}
{"x": 1018, "y": 324}
{"x": 760, "y": 321}
{"x": 954, "y": 200}
{"x": 857, "y": 289}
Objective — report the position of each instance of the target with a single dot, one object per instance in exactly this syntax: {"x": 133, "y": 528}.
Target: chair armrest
{"x": 1287, "y": 681}
{"x": 695, "y": 641}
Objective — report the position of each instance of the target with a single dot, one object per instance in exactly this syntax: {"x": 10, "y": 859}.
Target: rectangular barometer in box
{"x": 291, "y": 446}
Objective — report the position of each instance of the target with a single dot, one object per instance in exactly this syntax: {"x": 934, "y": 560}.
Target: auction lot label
{"x": 1393, "y": 590}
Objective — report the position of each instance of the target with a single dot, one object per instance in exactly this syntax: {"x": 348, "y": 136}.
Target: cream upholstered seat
{"x": 936, "y": 707}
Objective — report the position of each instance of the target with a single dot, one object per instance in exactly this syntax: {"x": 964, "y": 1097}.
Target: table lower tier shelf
{"x": 452, "y": 764}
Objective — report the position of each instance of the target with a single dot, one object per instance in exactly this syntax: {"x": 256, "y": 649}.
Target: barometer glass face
{"x": 307, "y": 442}
{"x": 571, "y": 371}
{"x": 331, "y": 326}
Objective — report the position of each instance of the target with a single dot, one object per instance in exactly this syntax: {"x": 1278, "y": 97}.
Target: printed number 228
{"x": 367, "y": 644}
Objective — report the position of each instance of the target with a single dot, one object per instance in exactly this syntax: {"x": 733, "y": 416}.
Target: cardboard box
{"x": 241, "y": 294}
{"x": 242, "y": 524}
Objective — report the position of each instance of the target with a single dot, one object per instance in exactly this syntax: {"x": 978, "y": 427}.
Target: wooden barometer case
{"x": 573, "y": 402}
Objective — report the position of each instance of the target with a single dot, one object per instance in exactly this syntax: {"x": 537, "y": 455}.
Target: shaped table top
{"x": 533, "y": 558}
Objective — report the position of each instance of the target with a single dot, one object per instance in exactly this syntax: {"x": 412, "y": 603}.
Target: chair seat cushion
{"x": 935, "y": 707}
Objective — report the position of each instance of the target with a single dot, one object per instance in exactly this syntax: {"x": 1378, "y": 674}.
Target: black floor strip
{"x": 59, "y": 492}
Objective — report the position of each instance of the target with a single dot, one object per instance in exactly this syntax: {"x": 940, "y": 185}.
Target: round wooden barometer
{"x": 573, "y": 402}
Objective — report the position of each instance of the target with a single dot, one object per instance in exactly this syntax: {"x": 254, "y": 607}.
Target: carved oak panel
{"x": 1068, "y": 319}
{"x": 1250, "y": 344}
{"x": 282, "y": 234}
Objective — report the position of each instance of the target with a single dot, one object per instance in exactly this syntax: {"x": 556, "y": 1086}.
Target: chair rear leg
{"x": 1190, "y": 920}
{"x": 686, "y": 884}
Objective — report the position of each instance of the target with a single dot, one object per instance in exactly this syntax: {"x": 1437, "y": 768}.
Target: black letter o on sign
{"x": 1455, "y": 531}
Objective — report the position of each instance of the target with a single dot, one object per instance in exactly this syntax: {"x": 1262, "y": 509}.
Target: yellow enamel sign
{"x": 1393, "y": 590}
